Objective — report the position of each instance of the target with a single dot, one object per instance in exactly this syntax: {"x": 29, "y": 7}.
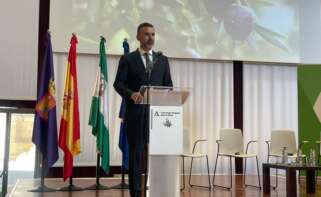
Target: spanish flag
{"x": 69, "y": 134}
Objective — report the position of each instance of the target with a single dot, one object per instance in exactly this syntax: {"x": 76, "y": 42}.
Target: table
{"x": 291, "y": 189}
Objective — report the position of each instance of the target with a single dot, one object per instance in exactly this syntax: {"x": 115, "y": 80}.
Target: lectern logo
{"x": 167, "y": 123}
{"x": 156, "y": 114}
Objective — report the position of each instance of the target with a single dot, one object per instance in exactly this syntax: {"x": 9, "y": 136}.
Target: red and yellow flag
{"x": 69, "y": 134}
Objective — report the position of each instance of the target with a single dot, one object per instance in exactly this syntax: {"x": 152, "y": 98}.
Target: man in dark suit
{"x": 136, "y": 69}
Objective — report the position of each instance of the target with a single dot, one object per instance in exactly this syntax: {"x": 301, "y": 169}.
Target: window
{"x": 22, "y": 152}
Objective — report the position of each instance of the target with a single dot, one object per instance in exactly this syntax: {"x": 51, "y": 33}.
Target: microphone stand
{"x": 147, "y": 132}
{"x": 147, "y": 108}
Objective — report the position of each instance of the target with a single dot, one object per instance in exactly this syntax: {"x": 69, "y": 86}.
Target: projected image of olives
{"x": 258, "y": 30}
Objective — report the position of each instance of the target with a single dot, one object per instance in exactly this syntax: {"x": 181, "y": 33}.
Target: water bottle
{"x": 284, "y": 156}
{"x": 312, "y": 157}
{"x": 299, "y": 158}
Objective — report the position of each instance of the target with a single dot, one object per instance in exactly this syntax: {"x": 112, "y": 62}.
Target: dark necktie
{"x": 149, "y": 65}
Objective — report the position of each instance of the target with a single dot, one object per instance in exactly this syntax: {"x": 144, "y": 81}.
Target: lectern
{"x": 165, "y": 138}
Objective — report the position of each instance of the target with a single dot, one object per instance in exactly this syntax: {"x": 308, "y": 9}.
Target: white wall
{"x": 19, "y": 49}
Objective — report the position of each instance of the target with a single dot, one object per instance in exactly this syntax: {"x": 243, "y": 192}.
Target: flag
{"x": 69, "y": 134}
{"x": 45, "y": 123}
{"x": 123, "y": 144}
{"x": 98, "y": 117}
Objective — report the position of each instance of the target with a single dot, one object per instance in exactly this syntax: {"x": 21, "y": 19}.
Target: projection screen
{"x": 252, "y": 30}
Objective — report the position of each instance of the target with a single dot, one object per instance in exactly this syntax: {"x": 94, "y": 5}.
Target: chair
{"x": 231, "y": 145}
{"x": 279, "y": 140}
{"x": 193, "y": 156}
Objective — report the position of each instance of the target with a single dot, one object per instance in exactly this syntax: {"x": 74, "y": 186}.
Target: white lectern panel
{"x": 166, "y": 130}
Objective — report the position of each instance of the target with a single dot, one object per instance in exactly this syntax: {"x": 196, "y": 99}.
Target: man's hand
{"x": 136, "y": 97}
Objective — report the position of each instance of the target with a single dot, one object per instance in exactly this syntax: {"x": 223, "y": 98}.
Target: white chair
{"x": 279, "y": 139}
{"x": 231, "y": 145}
{"x": 193, "y": 156}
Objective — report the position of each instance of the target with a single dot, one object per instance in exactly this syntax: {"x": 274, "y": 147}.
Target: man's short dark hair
{"x": 140, "y": 26}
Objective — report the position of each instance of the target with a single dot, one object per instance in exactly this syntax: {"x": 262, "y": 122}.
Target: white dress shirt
{"x": 142, "y": 55}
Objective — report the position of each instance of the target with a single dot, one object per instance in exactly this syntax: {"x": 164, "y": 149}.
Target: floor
{"x": 22, "y": 186}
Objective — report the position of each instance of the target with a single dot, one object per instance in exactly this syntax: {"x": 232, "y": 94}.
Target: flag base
{"x": 71, "y": 188}
{"x": 120, "y": 186}
{"x": 42, "y": 189}
{"x": 98, "y": 187}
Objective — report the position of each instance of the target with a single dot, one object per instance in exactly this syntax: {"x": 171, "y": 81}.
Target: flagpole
{"x": 71, "y": 186}
{"x": 97, "y": 185}
{"x": 121, "y": 185}
{"x": 70, "y": 125}
{"x": 44, "y": 135}
{"x": 43, "y": 187}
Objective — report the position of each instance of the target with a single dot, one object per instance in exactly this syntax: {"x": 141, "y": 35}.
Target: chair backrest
{"x": 232, "y": 141}
{"x": 281, "y": 139}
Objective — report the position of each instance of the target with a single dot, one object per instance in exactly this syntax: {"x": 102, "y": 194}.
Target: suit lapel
{"x": 139, "y": 63}
{"x": 155, "y": 62}
{"x": 141, "y": 67}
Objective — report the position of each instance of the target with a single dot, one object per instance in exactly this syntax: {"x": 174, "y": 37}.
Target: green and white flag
{"x": 99, "y": 109}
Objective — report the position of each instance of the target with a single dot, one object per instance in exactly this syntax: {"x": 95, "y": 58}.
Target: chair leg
{"x": 214, "y": 185}
{"x": 244, "y": 174}
{"x": 183, "y": 158}
{"x": 190, "y": 173}
{"x": 258, "y": 175}
{"x": 215, "y": 169}
{"x": 231, "y": 173}
{"x": 208, "y": 174}
{"x": 258, "y": 172}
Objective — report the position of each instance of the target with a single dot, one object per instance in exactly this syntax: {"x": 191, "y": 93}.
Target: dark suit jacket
{"x": 131, "y": 75}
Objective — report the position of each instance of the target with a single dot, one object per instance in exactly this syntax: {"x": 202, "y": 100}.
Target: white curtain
{"x": 270, "y": 102}
{"x": 209, "y": 107}
{"x": 87, "y": 66}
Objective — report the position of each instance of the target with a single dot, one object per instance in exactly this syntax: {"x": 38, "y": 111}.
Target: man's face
{"x": 146, "y": 37}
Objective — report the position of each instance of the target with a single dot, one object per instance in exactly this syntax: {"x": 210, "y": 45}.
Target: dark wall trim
{"x": 238, "y": 105}
{"x": 44, "y": 12}
{"x": 84, "y": 171}
{"x": 17, "y": 103}
{"x": 238, "y": 94}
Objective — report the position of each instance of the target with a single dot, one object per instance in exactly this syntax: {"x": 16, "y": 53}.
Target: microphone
{"x": 157, "y": 55}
